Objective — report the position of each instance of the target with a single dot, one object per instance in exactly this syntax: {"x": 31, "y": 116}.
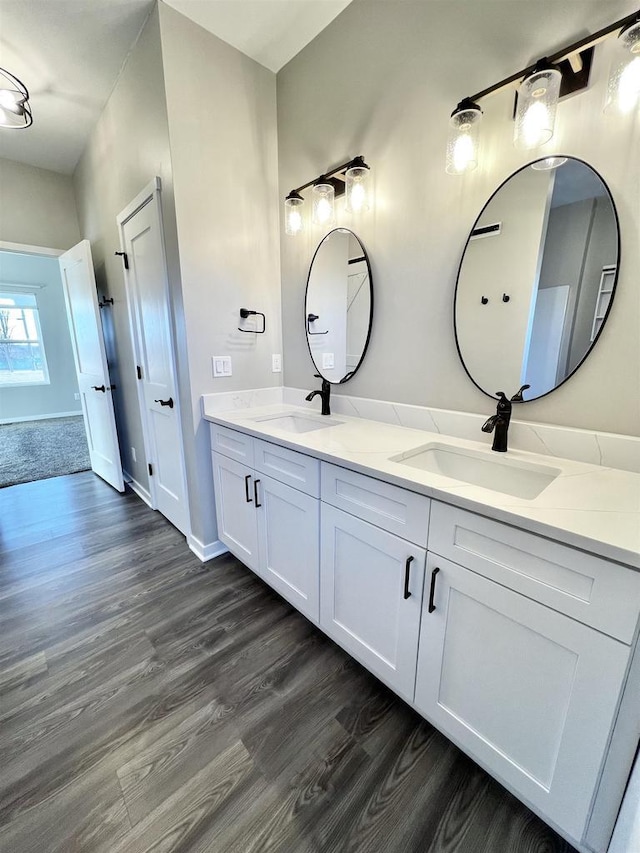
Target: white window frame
{"x": 8, "y": 289}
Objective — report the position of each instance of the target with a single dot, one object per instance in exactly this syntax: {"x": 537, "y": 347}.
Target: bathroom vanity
{"x": 515, "y": 637}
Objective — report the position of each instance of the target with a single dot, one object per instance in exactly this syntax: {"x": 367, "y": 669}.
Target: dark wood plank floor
{"x": 152, "y": 703}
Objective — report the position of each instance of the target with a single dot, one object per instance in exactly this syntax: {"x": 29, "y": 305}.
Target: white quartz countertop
{"x": 586, "y": 506}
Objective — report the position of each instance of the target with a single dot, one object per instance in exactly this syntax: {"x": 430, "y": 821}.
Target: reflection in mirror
{"x": 339, "y": 305}
{"x": 537, "y": 278}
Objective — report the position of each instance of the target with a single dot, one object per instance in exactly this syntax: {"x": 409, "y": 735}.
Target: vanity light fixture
{"x": 541, "y": 85}
{"x": 623, "y": 91}
{"x": 15, "y": 110}
{"x": 351, "y": 179}
{"x": 464, "y": 131}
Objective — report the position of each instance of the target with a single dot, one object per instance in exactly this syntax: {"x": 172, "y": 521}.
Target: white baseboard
{"x": 140, "y": 491}
{"x": 41, "y": 417}
{"x": 206, "y": 552}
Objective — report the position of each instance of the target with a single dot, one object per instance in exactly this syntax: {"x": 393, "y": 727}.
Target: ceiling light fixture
{"x": 351, "y": 179}
{"x": 15, "y": 110}
{"x": 542, "y": 84}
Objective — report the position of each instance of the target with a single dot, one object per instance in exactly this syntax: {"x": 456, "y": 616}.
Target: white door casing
{"x": 85, "y": 327}
{"x": 141, "y": 239}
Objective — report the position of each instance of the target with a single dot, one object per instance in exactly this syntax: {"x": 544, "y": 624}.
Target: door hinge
{"x": 150, "y": 469}
{"x": 124, "y": 257}
{"x": 139, "y": 371}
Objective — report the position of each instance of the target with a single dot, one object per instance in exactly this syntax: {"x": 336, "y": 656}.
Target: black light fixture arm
{"x": 355, "y": 161}
{"x": 560, "y": 55}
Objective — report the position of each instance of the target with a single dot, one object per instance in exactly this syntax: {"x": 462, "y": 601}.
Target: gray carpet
{"x": 37, "y": 450}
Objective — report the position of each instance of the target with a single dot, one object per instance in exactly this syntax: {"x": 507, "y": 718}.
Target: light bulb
{"x": 462, "y": 144}
{"x": 538, "y": 97}
{"x": 293, "y": 213}
{"x": 358, "y": 181}
{"x": 623, "y": 90}
{"x": 323, "y": 204}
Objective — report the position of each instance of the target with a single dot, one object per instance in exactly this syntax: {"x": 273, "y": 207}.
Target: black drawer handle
{"x": 255, "y": 493}
{"x": 246, "y": 489}
{"x": 407, "y": 575}
{"x": 432, "y": 591}
{"x": 168, "y": 402}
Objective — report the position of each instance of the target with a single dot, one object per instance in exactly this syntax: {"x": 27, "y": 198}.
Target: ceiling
{"x": 69, "y": 54}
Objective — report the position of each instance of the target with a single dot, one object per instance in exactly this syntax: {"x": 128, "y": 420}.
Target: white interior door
{"x": 79, "y": 285}
{"x": 148, "y": 298}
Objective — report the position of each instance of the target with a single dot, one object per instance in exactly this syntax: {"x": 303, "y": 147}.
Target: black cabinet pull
{"x": 168, "y": 402}
{"x": 99, "y": 388}
{"x": 407, "y": 574}
{"x": 255, "y": 493}
{"x": 246, "y": 489}
{"x": 432, "y": 591}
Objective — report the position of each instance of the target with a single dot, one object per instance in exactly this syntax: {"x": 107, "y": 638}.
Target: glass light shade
{"x": 623, "y": 90}
{"x": 15, "y": 111}
{"x": 538, "y": 97}
{"x": 358, "y": 188}
{"x": 293, "y": 214}
{"x": 548, "y": 163}
{"x": 323, "y": 204}
{"x": 463, "y": 140}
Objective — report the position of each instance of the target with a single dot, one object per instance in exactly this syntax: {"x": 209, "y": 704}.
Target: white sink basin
{"x": 481, "y": 468}
{"x": 294, "y": 422}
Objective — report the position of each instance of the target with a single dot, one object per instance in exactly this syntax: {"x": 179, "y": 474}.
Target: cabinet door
{"x": 362, "y": 596}
{"x": 236, "y": 509}
{"x": 289, "y": 543}
{"x": 528, "y": 692}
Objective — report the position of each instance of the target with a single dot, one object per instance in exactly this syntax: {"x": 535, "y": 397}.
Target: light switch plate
{"x": 276, "y": 363}
{"x": 328, "y": 362}
{"x": 221, "y": 366}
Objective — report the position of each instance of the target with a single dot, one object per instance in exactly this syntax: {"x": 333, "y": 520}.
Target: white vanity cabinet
{"x": 528, "y": 691}
{"x": 271, "y": 526}
{"x": 371, "y": 578}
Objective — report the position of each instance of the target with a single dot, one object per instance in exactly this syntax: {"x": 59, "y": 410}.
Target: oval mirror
{"x": 537, "y": 278}
{"x": 338, "y": 305}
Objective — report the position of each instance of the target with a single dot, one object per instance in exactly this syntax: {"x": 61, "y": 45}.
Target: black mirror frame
{"x": 353, "y": 372}
{"x": 613, "y": 290}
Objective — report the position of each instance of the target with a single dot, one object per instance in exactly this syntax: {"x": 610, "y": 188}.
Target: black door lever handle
{"x": 168, "y": 402}
{"x": 99, "y": 388}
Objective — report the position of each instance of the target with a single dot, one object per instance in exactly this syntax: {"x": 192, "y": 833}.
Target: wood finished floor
{"x": 152, "y": 703}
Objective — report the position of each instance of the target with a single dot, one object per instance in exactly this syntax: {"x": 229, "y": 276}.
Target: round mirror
{"x": 338, "y": 305}
{"x": 537, "y": 278}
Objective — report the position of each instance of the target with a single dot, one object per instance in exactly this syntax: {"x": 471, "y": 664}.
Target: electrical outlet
{"x": 328, "y": 362}
{"x": 76, "y": 396}
{"x": 133, "y": 454}
{"x": 221, "y": 365}
{"x": 276, "y": 363}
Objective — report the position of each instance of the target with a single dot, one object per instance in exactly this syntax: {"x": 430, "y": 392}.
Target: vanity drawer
{"x": 290, "y": 467}
{"x": 231, "y": 443}
{"x": 592, "y": 590}
{"x": 394, "y": 509}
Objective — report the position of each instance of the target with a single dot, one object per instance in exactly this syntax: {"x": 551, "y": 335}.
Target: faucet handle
{"x": 517, "y": 397}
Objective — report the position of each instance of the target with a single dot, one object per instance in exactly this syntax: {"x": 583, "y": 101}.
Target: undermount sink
{"x": 478, "y": 468}
{"x": 294, "y": 422}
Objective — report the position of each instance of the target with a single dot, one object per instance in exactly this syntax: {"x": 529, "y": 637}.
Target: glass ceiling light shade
{"x": 15, "y": 110}
{"x": 358, "y": 186}
{"x": 293, "y": 213}
{"x": 538, "y": 97}
{"x": 462, "y": 143}
{"x": 323, "y": 195}
{"x": 623, "y": 90}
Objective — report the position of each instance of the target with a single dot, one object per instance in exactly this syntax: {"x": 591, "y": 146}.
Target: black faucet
{"x": 499, "y": 423}
{"x": 324, "y": 395}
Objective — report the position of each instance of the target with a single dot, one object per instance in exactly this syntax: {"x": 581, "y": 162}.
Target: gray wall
{"x": 222, "y": 123}
{"x": 37, "y": 207}
{"x": 58, "y": 396}
{"x": 128, "y": 147}
{"x": 381, "y": 81}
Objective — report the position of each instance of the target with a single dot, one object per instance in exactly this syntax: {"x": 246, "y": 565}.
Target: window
{"x": 22, "y": 358}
